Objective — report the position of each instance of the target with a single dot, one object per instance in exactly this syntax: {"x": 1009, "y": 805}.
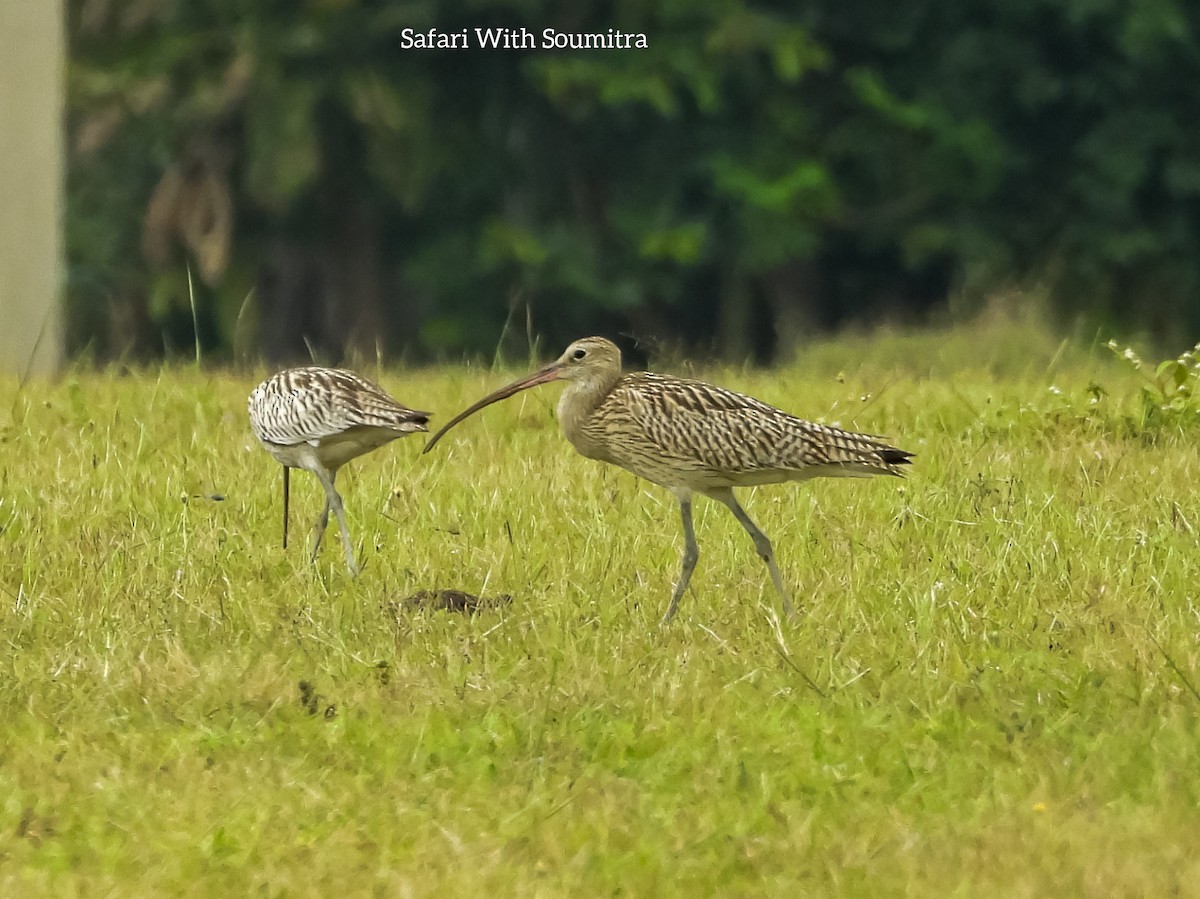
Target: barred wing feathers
{"x": 653, "y": 423}
{"x": 307, "y": 405}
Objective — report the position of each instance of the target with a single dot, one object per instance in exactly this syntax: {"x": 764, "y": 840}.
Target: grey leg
{"x": 333, "y": 501}
{"x": 691, "y": 553}
{"x": 319, "y": 530}
{"x": 761, "y": 543}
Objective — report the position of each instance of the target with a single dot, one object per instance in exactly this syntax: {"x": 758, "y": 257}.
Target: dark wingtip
{"x": 893, "y": 456}
{"x": 415, "y": 422}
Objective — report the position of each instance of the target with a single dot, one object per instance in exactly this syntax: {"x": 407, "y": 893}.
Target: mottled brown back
{"x": 680, "y": 432}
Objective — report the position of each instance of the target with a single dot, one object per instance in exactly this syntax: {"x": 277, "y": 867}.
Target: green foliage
{"x": 807, "y": 167}
{"x": 1170, "y": 394}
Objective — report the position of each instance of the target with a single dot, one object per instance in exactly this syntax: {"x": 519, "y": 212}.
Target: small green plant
{"x": 1171, "y": 394}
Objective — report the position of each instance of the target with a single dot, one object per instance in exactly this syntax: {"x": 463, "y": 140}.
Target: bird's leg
{"x": 761, "y": 543}
{"x": 285, "y": 505}
{"x": 691, "y": 553}
{"x": 333, "y": 501}
{"x": 319, "y": 530}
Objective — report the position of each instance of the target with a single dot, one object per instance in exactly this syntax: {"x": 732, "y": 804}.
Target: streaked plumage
{"x": 319, "y": 419}
{"x": 684, "y": 433}
{"x": 693, "y": 437}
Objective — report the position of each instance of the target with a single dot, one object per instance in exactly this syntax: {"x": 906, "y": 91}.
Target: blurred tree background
{"x": 755, "y": 176}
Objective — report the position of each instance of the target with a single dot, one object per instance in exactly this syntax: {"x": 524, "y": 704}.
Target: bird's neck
{"x": 580, "y": 400}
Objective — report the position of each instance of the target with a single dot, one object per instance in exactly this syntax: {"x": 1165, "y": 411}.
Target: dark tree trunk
{"x": 130, "y": 333}
{"x": 290, "y": 302}
{"x": 324, "y": 301}
{"x": 351, "y": 258}
{"x": 795, "y": 295}
{"x": 735, "y": 328}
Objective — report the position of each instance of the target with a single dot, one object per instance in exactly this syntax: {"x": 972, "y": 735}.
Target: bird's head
{"x": 591, "y": 362}
{"x": 586, "y": 360}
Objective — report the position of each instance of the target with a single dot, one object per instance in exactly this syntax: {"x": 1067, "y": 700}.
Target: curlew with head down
{"x": 319, "y": 419}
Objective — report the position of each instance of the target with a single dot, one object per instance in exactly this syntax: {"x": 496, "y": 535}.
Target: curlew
{"x": 692, "y": 437}
{"x": 319, "y": 419}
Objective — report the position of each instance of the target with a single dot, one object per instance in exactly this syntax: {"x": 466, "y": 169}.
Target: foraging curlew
{"x": 693, "y": 437}
{"x": 319, "y": 419}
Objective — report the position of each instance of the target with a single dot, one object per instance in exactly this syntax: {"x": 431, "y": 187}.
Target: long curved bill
{"x": 543, "y": 375}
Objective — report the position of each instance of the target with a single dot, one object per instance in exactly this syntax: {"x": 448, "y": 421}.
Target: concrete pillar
{"x": 32, "y": 78}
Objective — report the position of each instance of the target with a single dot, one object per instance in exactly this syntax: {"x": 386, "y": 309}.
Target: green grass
{"x": 991, "y": 692}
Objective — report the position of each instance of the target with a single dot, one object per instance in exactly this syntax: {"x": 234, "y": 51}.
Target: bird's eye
{"x": 579, "y": 354}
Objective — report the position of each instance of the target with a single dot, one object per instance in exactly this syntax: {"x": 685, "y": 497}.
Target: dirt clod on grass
{"x": 451, "y": 601}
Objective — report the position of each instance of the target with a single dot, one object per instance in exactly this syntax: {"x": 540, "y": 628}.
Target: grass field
{"x": 991, "y": 690}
